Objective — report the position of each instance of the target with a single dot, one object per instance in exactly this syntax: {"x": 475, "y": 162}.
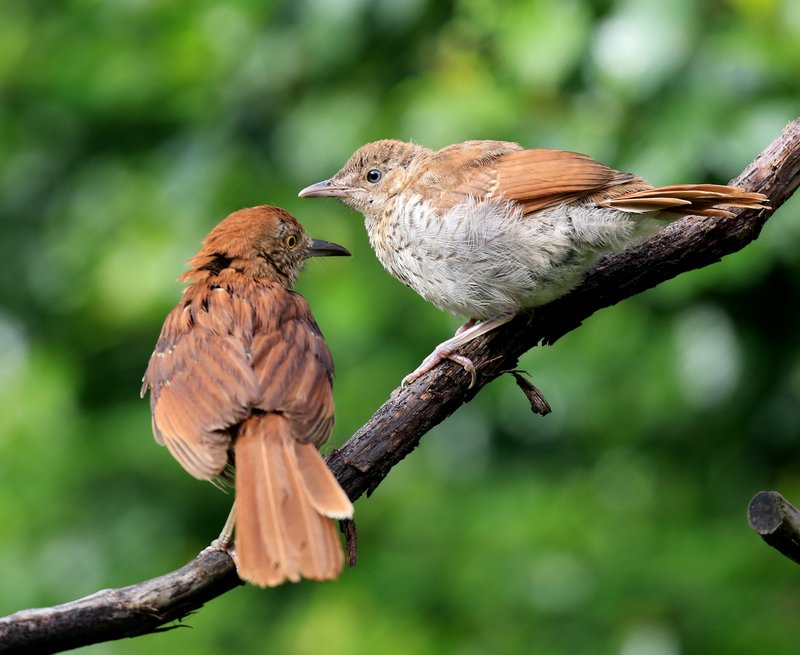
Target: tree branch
{"x": 399, "y": 424}
{"x": 777, "y": 521}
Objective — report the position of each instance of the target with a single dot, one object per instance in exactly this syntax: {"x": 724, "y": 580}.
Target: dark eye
{"x": 374, "y": 175}
{"x": 290, "y": 241}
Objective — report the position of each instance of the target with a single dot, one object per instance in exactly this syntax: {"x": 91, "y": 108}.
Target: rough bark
{"x": 777, "y": 521}
{"x": 399, "y": 424}
{"x": 116, "y": 613}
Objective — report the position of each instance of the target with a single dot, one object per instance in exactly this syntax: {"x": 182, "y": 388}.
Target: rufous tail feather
{"x": 285, "y": 498}
{"x": 687, "y": 199}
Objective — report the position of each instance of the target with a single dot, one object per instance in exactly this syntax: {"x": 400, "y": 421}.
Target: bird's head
{"x": 372, "y": 177}
{"x": 260, "y": 242}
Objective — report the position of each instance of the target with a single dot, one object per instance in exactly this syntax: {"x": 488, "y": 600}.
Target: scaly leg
{"x": 225, "y": 539}
{"x": 447, "y": 349}
{"x": 466, "y": 326}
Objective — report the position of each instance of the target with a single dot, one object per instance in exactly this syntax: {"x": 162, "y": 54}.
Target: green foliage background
{"x": 615, "y": 525}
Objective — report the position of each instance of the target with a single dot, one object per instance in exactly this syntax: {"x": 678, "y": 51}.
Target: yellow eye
{"x": 290, "y": 241}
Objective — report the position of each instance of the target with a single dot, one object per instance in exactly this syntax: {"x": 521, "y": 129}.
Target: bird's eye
{"x": 374, "y": 176}
{"x": 290, "y": 241}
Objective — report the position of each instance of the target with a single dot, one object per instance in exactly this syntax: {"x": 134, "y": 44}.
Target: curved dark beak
{"x": 320, "y": 248}
{"x": 325, "y": 189}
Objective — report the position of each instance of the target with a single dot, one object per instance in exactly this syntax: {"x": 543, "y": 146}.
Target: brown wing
{"x": 200, "y": 378}
{"x": 536, "y": 179}
{"x": 225, "y": 351}
{"x": 294, "y": 369}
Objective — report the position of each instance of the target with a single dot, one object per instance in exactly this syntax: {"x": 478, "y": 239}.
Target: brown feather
{"x": 540, "y": 178}
{"x": 320, "y": 556}
{"x": 685, "y": 199}
{"x": 260, "y": 546}
{"x": 535, "y": 179}
{"x": 322, "y": 489}
{"x": 289, "y": 538}
{"x": 201, "y": 380}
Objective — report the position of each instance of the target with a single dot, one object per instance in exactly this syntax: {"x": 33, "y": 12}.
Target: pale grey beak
{"x": 321, "y": 248}
{"x": 325, "y": 189}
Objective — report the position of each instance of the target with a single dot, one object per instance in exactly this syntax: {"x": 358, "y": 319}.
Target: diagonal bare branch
{"x": 777, "y": 521}
{"x": 399, "y": 424}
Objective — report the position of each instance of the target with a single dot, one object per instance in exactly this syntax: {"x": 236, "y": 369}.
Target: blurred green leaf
{"x": 614, "y": 524}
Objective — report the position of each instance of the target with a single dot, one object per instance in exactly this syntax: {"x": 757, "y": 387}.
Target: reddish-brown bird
{"x": 487, "y": 228}
{"x": 241, "y": 374}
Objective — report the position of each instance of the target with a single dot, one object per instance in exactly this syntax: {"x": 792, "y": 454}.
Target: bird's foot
{"x": 447, "y": 349}
{"x": 440, "y": 353}
{"x": 222, "y": 544}
{"x": 225, "y": 539}
{"x": 219, "y": 544}
{"x": 466, "y": 326}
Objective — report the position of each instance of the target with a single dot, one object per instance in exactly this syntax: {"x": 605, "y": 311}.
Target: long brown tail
{"x": 286, "y": 500}
{"x": 695, "y": 199}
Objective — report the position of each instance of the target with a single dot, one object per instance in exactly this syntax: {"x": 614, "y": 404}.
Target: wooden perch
{"x": 116, "y": 613}
{"x": 777, "y": 521}
{"x": 399, "y": 424}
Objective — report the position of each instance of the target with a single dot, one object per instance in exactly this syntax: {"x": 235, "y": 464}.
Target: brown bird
{"x": 241, "y": 375}
{"x": 486, "y": 229}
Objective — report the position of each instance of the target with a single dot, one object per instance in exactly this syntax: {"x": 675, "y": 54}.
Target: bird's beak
{"x": 325, "y": 189}
{"x": 326, "y": 249}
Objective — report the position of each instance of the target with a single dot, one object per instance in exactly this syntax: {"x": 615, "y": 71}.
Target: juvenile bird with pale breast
{"x": 486, "y": 229}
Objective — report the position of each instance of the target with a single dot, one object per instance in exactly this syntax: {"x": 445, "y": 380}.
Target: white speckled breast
{"x": 482, "y": 258}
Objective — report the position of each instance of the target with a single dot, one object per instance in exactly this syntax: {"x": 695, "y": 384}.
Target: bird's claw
{"x": 466, "y": 326}
{"x": 435, "y": 358}
{"x": 468, "y": 366}
{"x": 222, "y": 543}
